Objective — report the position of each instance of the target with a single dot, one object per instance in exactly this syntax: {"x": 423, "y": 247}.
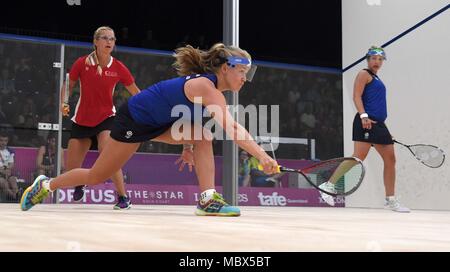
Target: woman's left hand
{"x": 187, "y": 157}
{"x": 367, "y": 123}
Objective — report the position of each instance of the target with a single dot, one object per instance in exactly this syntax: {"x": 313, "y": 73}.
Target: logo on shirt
{"x": 129, "y": 134}
{"x": 110, "y": 74}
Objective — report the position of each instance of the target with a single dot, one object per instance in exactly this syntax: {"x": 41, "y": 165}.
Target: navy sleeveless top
{"x": 374, "y": 98}
{"x": 153, "y": 106}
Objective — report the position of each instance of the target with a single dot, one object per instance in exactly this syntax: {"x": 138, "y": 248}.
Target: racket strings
{"x": 345, "y": 174}
{"x": 429, "y": 155}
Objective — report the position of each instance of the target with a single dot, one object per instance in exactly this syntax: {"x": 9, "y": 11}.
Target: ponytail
{"x": 92, "y": 60}
{"x": 190, "y": 60}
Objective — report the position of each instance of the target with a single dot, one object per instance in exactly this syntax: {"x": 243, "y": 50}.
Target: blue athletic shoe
{"x": 217, "y": 206}
{"x": 78, "y": 193}
{"x": 34, "y": 194}
{"x": 124, "y": 203}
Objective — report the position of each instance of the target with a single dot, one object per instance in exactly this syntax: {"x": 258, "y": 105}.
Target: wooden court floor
{"x": 176, "y": 228}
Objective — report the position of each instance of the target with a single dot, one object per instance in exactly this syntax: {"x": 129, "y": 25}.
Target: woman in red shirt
{"x": 93, "y": 117}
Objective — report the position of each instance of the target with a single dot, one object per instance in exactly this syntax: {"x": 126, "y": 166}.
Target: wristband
{"x": 364, "y": 115}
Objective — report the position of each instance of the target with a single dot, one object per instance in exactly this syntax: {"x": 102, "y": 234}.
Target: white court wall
{"x": 417, "y": 77}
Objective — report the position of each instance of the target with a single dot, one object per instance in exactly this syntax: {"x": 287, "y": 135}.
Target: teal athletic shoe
{"x": 217, "y": 206}
{"x": 34, "y": 194}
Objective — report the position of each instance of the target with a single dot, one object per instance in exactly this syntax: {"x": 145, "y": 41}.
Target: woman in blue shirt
{"x": 369, "y": 129}
{"x": 205, "y": 75}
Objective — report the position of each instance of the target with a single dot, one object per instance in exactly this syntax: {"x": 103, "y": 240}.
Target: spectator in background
{"x": 46, "y": 157}
{"x": 10, "y": 107}
{"x": 6, "y": 83}
{"x": 3, "y": 118}
{"x": 27, "y": 135}
{"x": 244, "y": 169}
{"x": 8, "y": 181}
{"x": 48, "y": 108}
{"x": 26, "y": 113}
{"x": 308, "y": 119}
{"x": 293, "y": 96}
{"x": 29, "y": 107}
{"x": 23, "y": 77}
{"x": 301, "y": 106}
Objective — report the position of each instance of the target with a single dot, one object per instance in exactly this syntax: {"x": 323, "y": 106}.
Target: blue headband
{"x": 376, "y": 52}
{"x": 232, "y": 61}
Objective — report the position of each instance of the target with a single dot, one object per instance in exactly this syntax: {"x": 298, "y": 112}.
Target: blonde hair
{"x": 92, "y": 58}
{"x": 190, "y": 60}
{"x": 376, "y": 47}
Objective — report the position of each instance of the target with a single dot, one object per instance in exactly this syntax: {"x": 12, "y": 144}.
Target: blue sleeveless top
{"x": 374, "y": 98}
{"x": 153, "y": 106}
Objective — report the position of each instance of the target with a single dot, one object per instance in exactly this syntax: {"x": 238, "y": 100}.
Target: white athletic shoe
{"x": 394, "y": 205}
{"x": 328, "y": 187}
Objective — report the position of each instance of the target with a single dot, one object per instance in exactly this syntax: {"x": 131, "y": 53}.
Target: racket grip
{"x": 65, "y": 109}
{"x": 279, "y": 168}
{"x": 285, "y": 169}
{"x": 260, "y": 167}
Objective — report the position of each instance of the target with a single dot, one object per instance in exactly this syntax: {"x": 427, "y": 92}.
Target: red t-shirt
{"x": 96, "y": 91}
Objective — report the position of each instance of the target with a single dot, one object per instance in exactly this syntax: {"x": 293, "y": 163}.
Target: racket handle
{"x": 260, "y": 167}
{"x": 65, "y": 109}
{"x": 285, "y": 169}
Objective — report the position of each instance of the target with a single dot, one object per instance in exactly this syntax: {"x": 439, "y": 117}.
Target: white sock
{"x": 206, "y": 195}
{"x": 46, "y": 185}
{"x": 390, "y": 198}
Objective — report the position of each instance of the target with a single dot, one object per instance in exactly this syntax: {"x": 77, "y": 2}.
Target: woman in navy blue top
{"x": 205, "y": 75}
{"x": 369, "y": 129}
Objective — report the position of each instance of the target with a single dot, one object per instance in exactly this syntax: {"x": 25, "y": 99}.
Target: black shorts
{"x": 82, "y": 132}
{"x": 126, "y": 130}
{"x": 378, "y": 134}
